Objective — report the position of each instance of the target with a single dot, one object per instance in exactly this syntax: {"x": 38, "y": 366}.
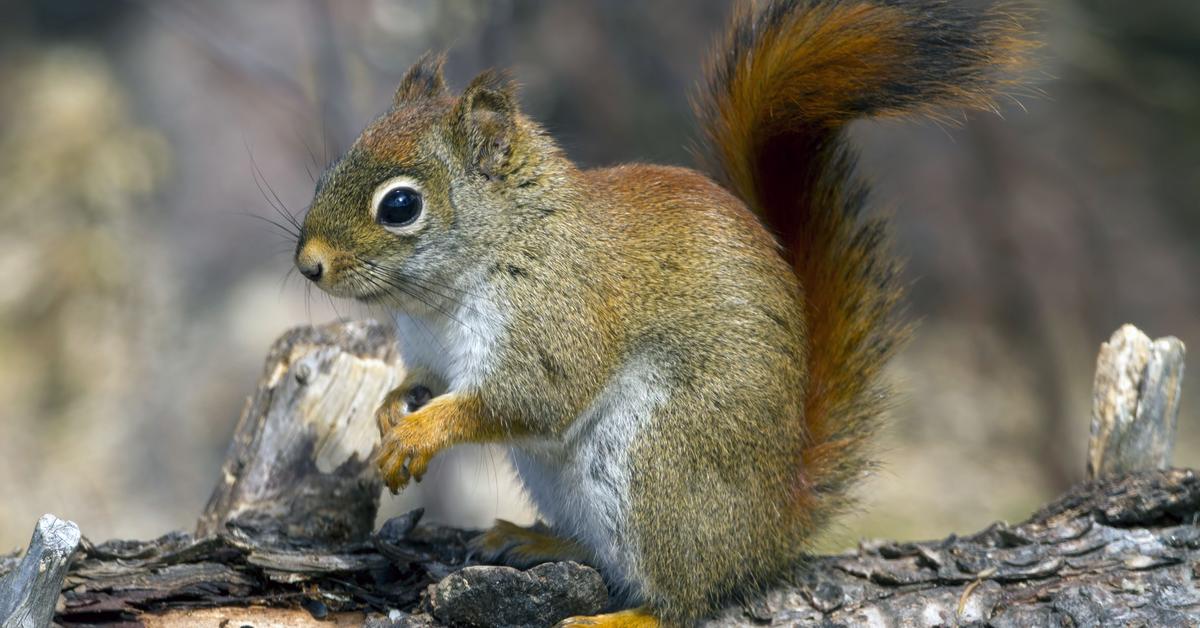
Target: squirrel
{"x": 686, "y": 370}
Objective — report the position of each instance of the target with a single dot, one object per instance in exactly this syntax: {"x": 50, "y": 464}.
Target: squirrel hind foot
{"x": 524, "y": 547}
{"x": 632, "y": 618}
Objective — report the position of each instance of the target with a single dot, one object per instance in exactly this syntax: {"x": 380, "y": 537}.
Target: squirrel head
{"x": 425, "y": 191}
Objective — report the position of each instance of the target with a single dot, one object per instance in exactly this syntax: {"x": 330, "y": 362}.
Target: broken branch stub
{"x": 300, "y": 462}
{"x": 29, "y": 592}
{"x": 1135, "y": 403}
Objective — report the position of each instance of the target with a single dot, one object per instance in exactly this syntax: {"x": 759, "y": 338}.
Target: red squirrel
{"x": 685, "y": 366}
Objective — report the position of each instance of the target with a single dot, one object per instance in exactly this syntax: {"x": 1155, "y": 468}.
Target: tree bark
{"x": 1123, "y": 551}
{"x": 299, "y": 464}
{"x": 286, "y": 538}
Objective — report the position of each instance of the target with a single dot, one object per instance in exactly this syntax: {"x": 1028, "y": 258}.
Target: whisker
{"x": 462, "y": 291}
{"x": 398, "y": 284}
{"x": 375, "y": 285}
{"x": 385, "y": 272}
{"x": 420, "y": 323}
{"x": 286, "y": 276}
{"x": 408, "y": 289}
{"x": 341, "y": 319}
{"x": 289, "y": 231}
{"x": 311, "y": 156}
{"x": 308, "y": 302}
{"x": 278, "y": 205}
{"x": 259, "y": 181}
{"x": 416, "y": 283}
{"x": 424, "y": 284}
{"x": 431, "y": 282}
{"x": 282, "y": 213}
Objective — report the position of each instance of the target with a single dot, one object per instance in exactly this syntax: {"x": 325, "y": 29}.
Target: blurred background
{"x": 138, "y": 299}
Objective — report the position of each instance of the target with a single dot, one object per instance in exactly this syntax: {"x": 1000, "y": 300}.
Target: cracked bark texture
{"x": 1124, "y": 551}
{"x": 286, "y": 538}
{"x": 299, "y": 462}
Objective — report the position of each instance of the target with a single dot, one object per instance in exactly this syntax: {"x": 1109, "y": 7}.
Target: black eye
{"x": 399, "y": 207}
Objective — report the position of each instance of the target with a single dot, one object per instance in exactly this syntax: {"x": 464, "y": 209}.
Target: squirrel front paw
{"x": 415, "y": 426}
{"x": 404, "y": 458}
{"x": 410, "y": 436}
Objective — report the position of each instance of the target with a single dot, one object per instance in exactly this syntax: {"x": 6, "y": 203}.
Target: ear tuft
{"x": 491, "y": 90}
{"x": 424, "y": 80}
{"x": 486, "y": 120}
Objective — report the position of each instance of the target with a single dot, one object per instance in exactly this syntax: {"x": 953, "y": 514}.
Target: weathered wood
{"x": 172, "y": 576}
{"x": 1117, "y": 553}
{"x": 256, "y": 617}
{"x": 1135, "y": 403}
{"x": 29, "y": 592}
{"x": 299, "y": 464}
{"x": 1122, "y": 551}
{"x": 286, "y": 534}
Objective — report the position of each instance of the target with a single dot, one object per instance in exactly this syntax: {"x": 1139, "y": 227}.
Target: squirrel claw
{"x": 418, "y": 464}
{"x": 413, "y": 435}
{"x": 524, "y": 547}
{"x": 392, "y": 465}
{"x": 408, "y": 447}
{"x": 401, "y": 463}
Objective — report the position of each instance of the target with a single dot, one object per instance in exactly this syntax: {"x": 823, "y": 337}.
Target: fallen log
{"x": 286, "y": 538}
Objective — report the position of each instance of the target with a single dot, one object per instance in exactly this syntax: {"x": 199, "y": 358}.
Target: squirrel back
{"x": 782, "y": 86}
{"x": 687, "y": 374}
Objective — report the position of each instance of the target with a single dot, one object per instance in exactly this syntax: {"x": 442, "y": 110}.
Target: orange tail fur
{"x": 790, "y": 77}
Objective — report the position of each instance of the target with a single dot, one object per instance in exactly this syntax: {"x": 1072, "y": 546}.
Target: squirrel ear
{"x": 486, "y": 123}
{"x": 423, "y": 80}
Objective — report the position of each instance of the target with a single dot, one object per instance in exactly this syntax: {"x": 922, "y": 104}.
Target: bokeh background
{"x": 138, "y": 298}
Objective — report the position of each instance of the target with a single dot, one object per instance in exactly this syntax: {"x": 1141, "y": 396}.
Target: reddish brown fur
{"x": 788, "y": 78}
{"x": 695, "y": 371}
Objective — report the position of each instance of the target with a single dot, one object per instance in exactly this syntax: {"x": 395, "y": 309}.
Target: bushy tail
{"x": 788, "y": 77}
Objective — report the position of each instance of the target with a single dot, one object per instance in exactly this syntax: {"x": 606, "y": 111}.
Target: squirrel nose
{"x": 310, "y": 260}
{"x": 311, "y": 269}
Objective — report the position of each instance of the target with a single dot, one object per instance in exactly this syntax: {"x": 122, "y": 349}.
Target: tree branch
{"x": 286, "y": 537}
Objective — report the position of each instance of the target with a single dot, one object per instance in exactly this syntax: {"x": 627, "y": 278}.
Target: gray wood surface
{"x": 1135, "y": 403}
{"x": 287, "y": 537}
{"x": 299, "y": 465}
{"x": 1121, "y": 552}
{"x": 30, "y": 589}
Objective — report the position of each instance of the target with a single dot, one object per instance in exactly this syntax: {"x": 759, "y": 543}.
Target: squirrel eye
{"x": 399, "y": 207}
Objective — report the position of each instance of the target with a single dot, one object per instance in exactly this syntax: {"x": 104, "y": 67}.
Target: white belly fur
{"x": 581, "y": 485}
{"x": 458, "y": 350}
